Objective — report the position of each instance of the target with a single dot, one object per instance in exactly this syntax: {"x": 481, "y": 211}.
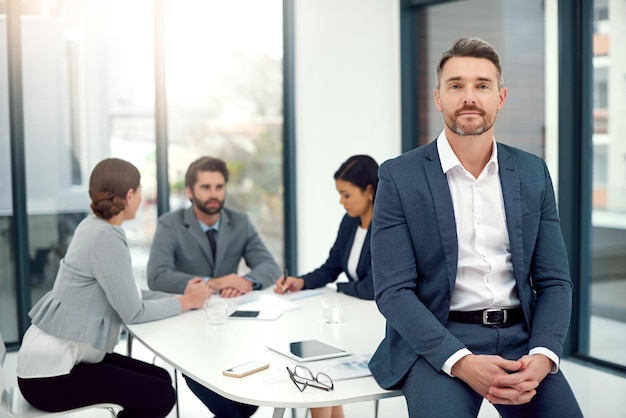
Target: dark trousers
{"x": 222, "y": 407}
{"x": 432, "y": 393}
{"x": 142, "y": 389}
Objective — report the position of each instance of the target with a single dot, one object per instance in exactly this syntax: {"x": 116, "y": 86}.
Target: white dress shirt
{"x": 355, "y": 252}
{"x": 485, "y": 271}
{"x": 44, "y": 355}
{"x": 484, "y": 277}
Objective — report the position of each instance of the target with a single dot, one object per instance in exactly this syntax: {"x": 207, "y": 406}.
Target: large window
{"x": 224, "y": 92}
{"x": 76, "y": 80}
{"x": 525, "y": 33}
{"x": 8, "y": 305}
{"x": 607, "y": 287}
{"x": 88, "y": 80}
{"x": 516, "y": 30}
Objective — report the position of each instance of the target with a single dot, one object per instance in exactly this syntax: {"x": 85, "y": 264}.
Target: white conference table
{"x": 202, "y": 351}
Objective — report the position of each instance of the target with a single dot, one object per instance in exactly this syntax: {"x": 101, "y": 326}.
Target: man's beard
{"x": 202, "y": 206}
{"x": 455, "y": 126}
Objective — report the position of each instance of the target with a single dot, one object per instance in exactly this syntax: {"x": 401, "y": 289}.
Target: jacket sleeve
{"x": 362, "y": 289}
{"x": 263, "y": 267}
{"x": 549, "y": 273}
{"x": 405, "y": 287}
{"x": 162, "y": 273}
{"x": 332, "y": 267}
{"x": 113, "y": 271}
{"x": 336, "y": 263}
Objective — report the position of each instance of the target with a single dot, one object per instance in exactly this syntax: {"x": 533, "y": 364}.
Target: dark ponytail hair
{"x": 360, "y": 170}
{"x": 110, "y": 181}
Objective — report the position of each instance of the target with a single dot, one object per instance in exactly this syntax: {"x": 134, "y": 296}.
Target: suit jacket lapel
{"x": 511, "y": 194}
{"x": 438, "y": 183}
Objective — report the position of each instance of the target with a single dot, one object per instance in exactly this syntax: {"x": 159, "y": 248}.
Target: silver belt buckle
{"x": 486, "y": 313}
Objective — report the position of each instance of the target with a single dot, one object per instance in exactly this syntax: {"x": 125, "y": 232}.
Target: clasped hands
{"x": 198, "y": 291}
{"x": 501, "y": 381}
{"x": 230, "y": 286}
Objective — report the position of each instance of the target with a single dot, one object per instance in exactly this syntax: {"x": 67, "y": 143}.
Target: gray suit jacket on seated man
{"x": 182, "y": 252}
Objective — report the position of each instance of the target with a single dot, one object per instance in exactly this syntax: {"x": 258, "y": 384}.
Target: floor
{"x": 600, "y": 394}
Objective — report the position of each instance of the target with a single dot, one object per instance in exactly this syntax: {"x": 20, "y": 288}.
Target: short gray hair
{"x": 474, "y": 48}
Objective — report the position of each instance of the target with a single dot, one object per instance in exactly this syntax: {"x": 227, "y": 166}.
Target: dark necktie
{"x": 211, "y": 236}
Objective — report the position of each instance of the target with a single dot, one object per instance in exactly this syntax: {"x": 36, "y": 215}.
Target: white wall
{"x": 347, "y": 86}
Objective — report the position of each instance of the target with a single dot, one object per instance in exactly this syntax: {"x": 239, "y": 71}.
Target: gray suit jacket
{"x": 415, "y": 252}
{"x": 180, "y": 251}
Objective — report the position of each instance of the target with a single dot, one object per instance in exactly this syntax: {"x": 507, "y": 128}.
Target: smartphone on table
{"x": 246, "y": 369}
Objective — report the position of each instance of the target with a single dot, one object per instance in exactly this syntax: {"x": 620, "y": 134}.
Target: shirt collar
{"x": 205, "y": 227}
{"x": 449, "y": 159}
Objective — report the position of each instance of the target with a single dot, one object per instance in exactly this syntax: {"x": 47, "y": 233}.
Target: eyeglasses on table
{"x": 302, "y": 377}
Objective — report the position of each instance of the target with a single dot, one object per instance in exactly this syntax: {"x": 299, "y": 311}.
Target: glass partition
{"x": 8, "y": 302}
{"x": 89, "y": 93}
{"x": 524, "y": 33}
{"x": 516, "y": 30}
{"x": 224, "y": 91}
{"x": 608, "y": 235}
{"x": 80, "y": 76}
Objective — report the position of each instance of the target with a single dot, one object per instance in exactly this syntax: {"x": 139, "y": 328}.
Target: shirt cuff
{"x": 447, "y": 366}
{"x": 548, "y": 353}
{"x": 256, "y": 285}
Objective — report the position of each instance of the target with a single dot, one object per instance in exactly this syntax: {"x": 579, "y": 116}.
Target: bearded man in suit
{"x": 206, "y": 242}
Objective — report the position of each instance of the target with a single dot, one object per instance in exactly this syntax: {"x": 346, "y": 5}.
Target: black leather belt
{"x": 488, "y": 317}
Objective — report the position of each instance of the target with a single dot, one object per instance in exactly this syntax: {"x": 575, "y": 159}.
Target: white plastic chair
{"x": 16, "y": 406}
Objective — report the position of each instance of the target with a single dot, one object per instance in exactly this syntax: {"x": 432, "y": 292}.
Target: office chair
{"x": 16, "y": 406}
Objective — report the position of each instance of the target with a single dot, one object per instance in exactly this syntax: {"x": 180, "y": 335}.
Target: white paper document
{"x": 269, "y": 302}
{"x": 344, "y": 368}
{"x": 259, "y": 307}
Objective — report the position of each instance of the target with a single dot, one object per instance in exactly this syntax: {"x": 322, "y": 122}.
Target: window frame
{"x": 575, "y": 156}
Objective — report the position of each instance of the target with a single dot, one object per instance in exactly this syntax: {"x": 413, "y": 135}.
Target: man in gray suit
{"x": 181, "y": 249}
{"x": 207, "y": 242}
{"x": 469, "y": 263}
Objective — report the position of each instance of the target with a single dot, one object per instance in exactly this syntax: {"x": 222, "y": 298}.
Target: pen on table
{"x": 285, "y": 274}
